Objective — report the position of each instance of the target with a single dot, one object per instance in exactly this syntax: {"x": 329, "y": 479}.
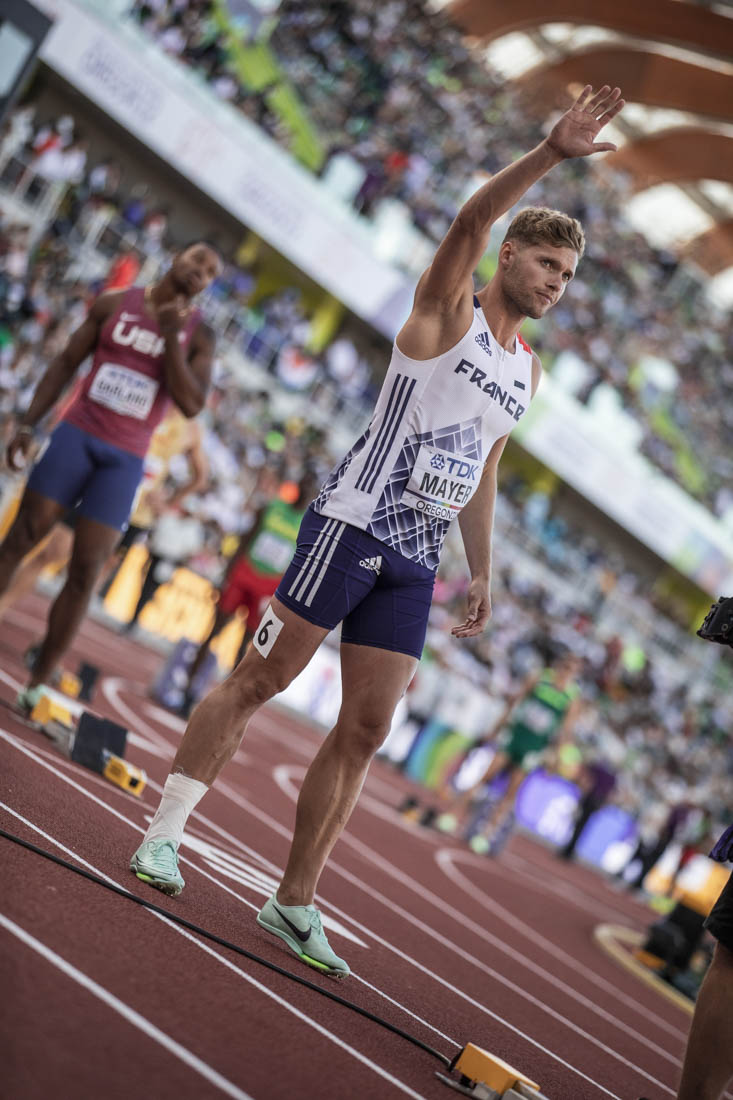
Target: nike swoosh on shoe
{"x": 302, "y": 936}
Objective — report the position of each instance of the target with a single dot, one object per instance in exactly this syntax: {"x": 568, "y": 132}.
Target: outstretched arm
{"x": 476, "y": 522}
{"x": 446, "y": 286}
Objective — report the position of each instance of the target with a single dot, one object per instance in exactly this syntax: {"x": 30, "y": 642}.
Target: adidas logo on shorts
{"x": 375, "y": 564}
{"x": 483, "y": 340}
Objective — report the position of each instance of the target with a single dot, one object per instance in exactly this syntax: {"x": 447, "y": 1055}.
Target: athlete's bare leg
{"x": 36, "y": 516}
{"x": 55, "y": 549}
{"x": 93, "y": 543}
{"x": 505, "y": 803}
{"x": 499, "y": 763}
{"x": 218, "y": 723}
{"x": 708, "y": 1066}
{"x": 373, "y": 681}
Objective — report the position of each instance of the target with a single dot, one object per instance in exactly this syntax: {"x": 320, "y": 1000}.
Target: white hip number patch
{"x": 267, "y": 632}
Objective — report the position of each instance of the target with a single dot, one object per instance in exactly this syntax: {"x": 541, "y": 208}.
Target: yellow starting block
{"x": 486, "y": 1077}
{"x": 48, "y": 710}
{"x": 123, "y": 774}
{"x": 70, "y": 685}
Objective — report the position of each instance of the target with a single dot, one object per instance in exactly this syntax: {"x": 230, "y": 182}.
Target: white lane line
{"x": 482, "y": 899}
{"x": 129, "y": 1014}
{"x": 393, "y": 907}
{"x": 535, "y": 879}
{"x": 330, "y": 922}
{"x": 230, "y": 966}
{"x": 283, "y": 778}
{"x": 423, "y": 969}
{"x": 375, "y": 989}
{"x": 448, "y": 943}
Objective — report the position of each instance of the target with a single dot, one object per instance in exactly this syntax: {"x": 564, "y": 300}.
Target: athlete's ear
{"x": 507, "y": 253}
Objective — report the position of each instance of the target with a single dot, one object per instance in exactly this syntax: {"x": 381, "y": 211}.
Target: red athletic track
{"x": 450, "y": 946}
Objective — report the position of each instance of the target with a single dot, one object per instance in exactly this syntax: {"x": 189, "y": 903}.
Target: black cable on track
{"x": 225, "y": 943}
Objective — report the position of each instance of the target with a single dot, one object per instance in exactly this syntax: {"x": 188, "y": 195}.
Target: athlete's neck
{"x": 502, "y": 315}
{"x": 165, "y": 290}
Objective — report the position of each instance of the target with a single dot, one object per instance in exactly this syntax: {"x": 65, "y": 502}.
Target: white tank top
{"x": 421, "y": 458}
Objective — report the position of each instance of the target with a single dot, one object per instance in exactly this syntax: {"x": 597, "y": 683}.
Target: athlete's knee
{"x": 364, "y": 730}
{"x": 24, "y": 535}
{"x": 254, "y": 683}
{"x": 82, "y": 575}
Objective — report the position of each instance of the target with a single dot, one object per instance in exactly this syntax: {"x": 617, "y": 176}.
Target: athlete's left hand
{"x": 574, "y": 135}
{"x": 479, "y": 610}
{"x": 171, "y": 316}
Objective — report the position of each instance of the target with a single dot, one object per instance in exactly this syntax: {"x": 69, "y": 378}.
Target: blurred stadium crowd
{"x": 634, "y": 329}
{"x": 415, "y": 124}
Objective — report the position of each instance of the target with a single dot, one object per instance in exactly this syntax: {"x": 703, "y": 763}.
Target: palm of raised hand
{"x": 574, "y": 135}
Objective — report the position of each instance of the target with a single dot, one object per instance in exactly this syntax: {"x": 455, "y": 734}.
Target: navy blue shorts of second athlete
{"x": 340, "y": 574}
{"x": 83, "y": 472}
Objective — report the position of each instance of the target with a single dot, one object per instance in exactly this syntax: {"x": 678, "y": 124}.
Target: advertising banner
{"x": 225, "y": 155}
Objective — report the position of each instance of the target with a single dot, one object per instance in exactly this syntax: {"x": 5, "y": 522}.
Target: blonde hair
{"x": 540, "y": 225}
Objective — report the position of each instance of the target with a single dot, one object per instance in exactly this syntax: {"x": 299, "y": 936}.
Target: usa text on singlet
{"x": 124, "y": 397}
{"x": 421, "y": 458}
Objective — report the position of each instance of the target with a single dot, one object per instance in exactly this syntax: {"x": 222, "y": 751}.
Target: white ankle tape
{"x": 181, "y": 795}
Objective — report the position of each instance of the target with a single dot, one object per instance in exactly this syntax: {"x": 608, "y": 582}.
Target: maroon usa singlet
{"x": 124, "y": 397}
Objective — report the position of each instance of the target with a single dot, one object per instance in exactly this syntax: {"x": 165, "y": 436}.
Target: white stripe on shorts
{"x": 326, "y": 562}
{"x": 311, "y": 562}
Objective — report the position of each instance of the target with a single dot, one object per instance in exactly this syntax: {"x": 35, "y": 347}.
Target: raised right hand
{"x": 574, "y": 135}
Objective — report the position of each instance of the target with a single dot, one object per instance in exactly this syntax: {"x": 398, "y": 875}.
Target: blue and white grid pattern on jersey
{"x": 420, "y": 460}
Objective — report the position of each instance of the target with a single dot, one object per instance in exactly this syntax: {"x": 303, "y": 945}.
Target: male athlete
{"x": 460, "y": 377}
{"x": 542, "y": 712}
{"x": 175, "y": 435}
{"x": 150, "y": 347}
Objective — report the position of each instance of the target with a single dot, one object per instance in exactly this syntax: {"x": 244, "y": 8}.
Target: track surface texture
{"x": 103, "y": 998}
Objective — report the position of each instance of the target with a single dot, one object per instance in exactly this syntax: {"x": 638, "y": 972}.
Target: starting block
{"x": 56, "y": 721}
{"x": 486, "y": 1077}
{"x": 94, "y": 737}
{"x": 82, "y": 685}
{"x": 123, "y": 774}
{"x": 100, "y": 746}
{"x": 96, "y": 743}
{"x": 49, "y": 710}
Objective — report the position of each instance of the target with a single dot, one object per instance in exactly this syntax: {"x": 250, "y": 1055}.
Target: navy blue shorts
{"x": 80, "y": 471}
{"x": 341, "y": 574}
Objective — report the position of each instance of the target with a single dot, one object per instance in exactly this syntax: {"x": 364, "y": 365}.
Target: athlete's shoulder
{"x": 107, "y": 303}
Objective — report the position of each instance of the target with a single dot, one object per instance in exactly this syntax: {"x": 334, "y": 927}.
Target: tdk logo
{"x": 484, "y": 342}
{"x": 504, "y": 398}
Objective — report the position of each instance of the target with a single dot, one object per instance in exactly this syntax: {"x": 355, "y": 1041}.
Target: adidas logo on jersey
{"x": 374, "y": 564}
{"x": 484, "y": 342}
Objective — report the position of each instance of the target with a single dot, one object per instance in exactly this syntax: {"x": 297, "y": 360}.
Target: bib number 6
{"x": 267, "y": 632}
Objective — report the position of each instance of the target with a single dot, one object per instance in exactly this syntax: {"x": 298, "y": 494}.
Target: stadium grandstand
{"x": 323, "y": 151}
